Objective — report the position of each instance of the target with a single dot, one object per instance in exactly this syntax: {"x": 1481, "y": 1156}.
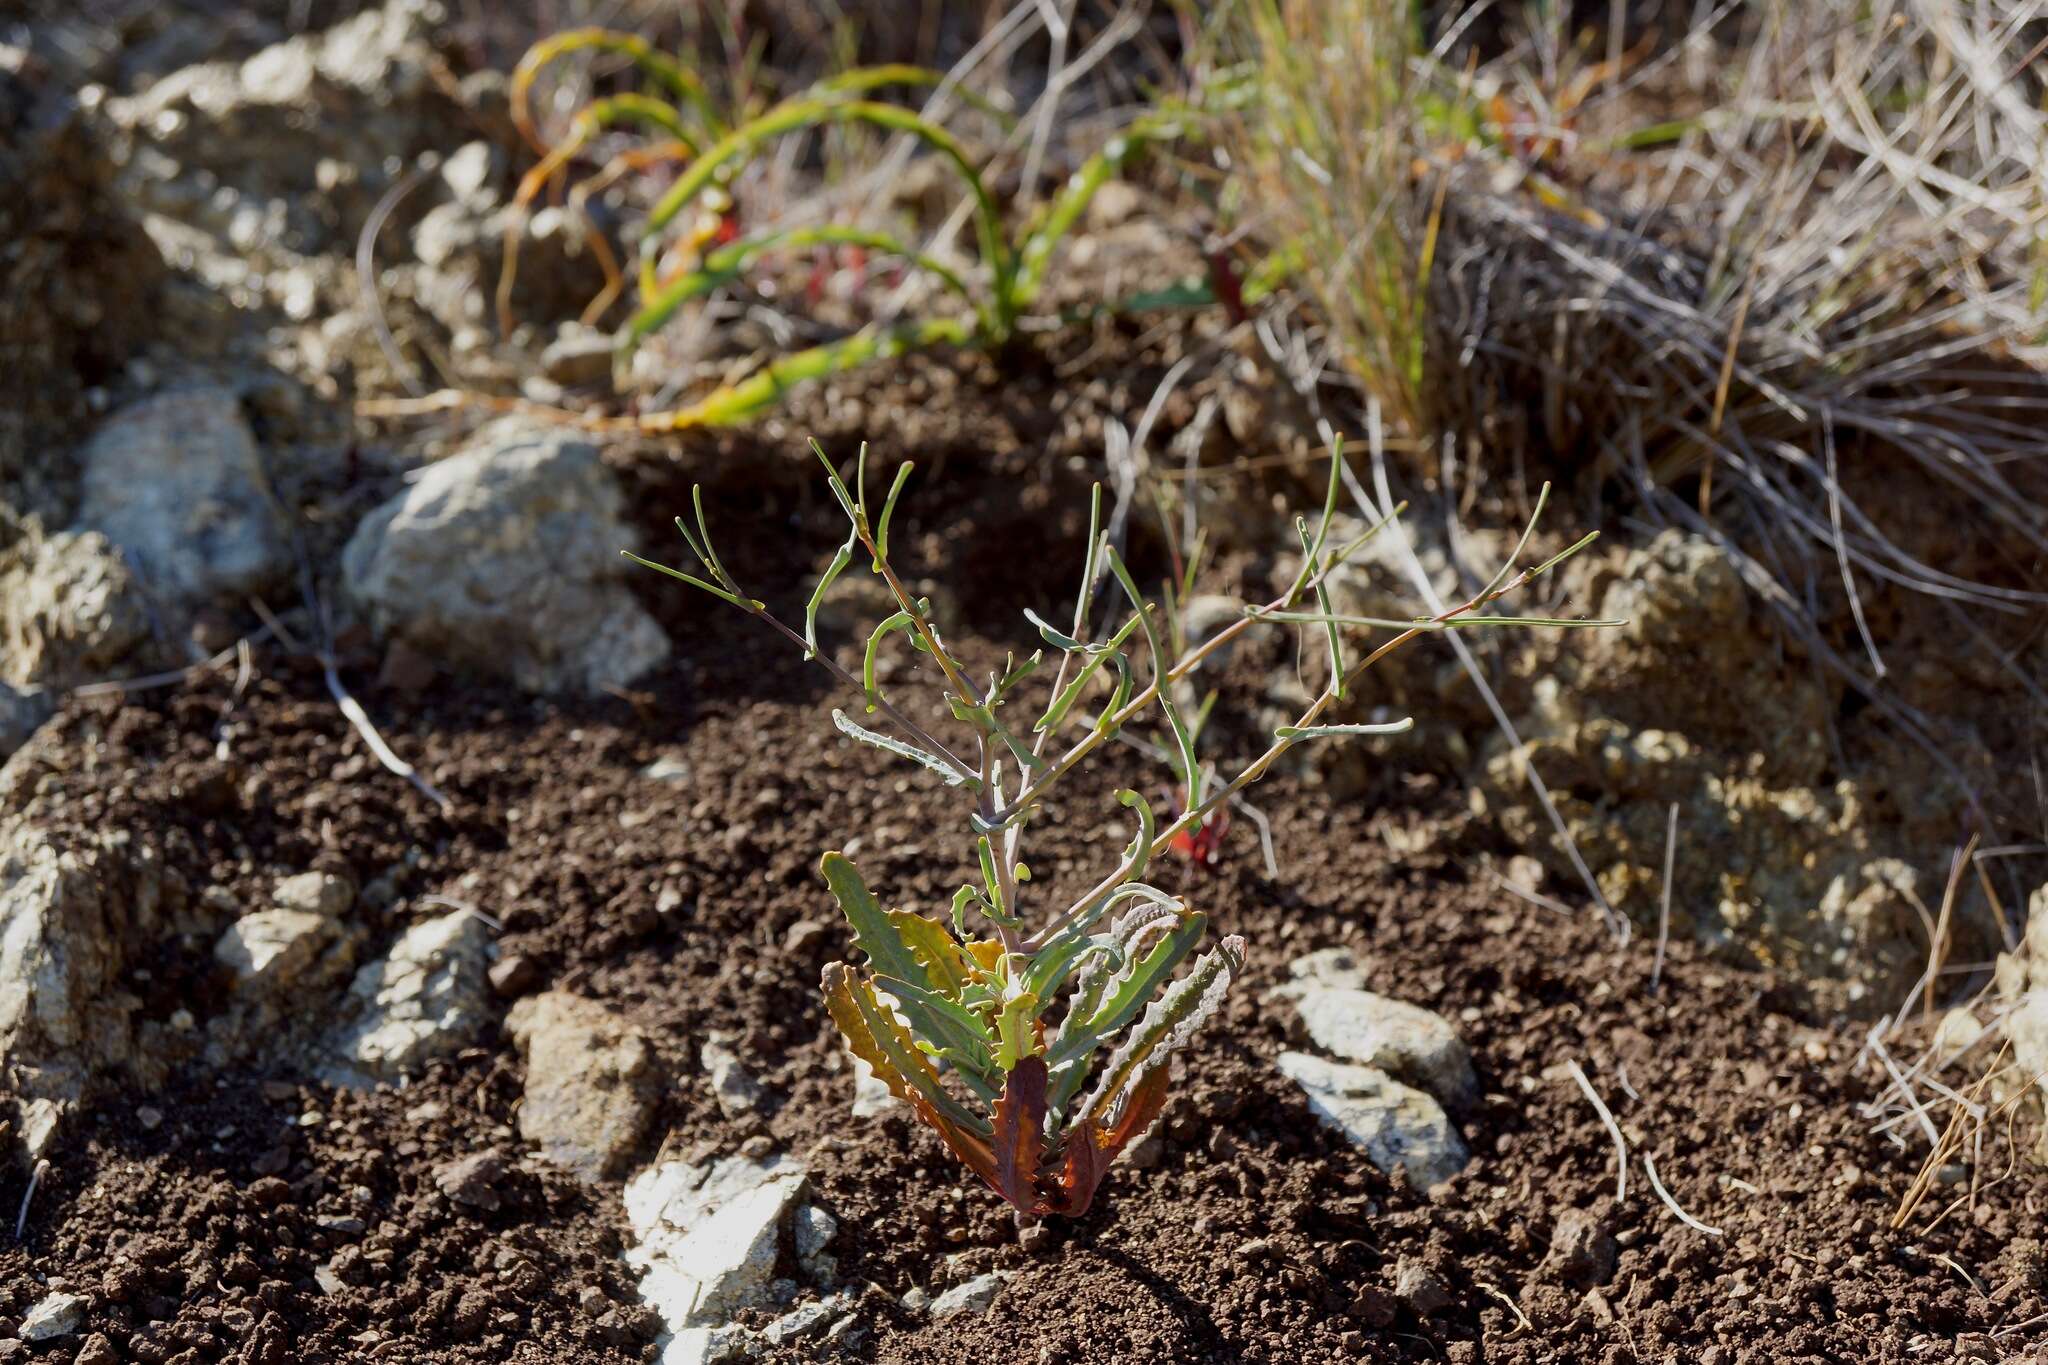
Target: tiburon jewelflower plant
{"x": 1038, "y": 1046}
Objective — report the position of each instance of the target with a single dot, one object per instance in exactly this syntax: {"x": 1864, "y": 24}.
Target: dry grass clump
{"x": 1785, "y": 280}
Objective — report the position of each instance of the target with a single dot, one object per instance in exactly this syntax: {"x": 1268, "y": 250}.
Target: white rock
{"x": 737, "y": 1093}
{"x": 2027, "y": 1028}
{"x": 1393, "y": 1124}
{"x": 315, "y": 893}
{"x": 1334, "y": 967}
{"x": 67, "y": 917}
{"x": 422, "y": 1000}
{"x": 706, "y": 1236}
{"x": 505, "y": 559}
{"x": 272, "y": 948}
{"x": 871, "y": 1095}
{"x": 56, "y": 1315}
{"x": 1958, "y": 1032}
{"x": 1404, "y": 1040}
{"x": 814, "y": 1230}
{"x": 40, "y": 1120}
{"x": 467, "y": 172}
{"x": 176, "y": 481}
{"x": 974, "y": 1296}
{"x": 589, "y": 1082}
{"x": 708, "y": 1346}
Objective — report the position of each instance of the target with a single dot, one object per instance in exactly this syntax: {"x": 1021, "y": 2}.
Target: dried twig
{"x": 1664, "y": 902}
{"x": 35, "y": 1178}
{"x": 1937, "y": 949}
{"x": 1613, "y": 1128}
{"x": 1650, "y": 1168}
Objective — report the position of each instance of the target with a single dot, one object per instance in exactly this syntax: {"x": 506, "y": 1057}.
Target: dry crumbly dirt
{"x": 253, "y": 1215}
{"x": 1254, "y": 1234}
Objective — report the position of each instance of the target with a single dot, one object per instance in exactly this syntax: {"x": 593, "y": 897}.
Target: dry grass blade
{"x": 1650, "y": 1169}
{"x": 1613, "y": 1129}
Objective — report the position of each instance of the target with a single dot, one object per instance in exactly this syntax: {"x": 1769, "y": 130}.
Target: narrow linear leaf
{"x": 1392, "y": 727}
{"x": 838, "y": 565}
{"x": 902, "y": 621}
{"x": 720, "y": 593}
{"x": 1322, "y": 591}
{"x": 1183, "y": 739}
{"x": 924, "y": 759}
{"x": 889, "y": 511}
{"x": 1096, "y": 656}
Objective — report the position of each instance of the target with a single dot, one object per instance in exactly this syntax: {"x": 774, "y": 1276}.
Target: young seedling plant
{"x": 1037, "y": 1046}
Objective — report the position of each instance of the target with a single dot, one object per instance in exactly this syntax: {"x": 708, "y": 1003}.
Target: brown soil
{"x": 1252, "y": 1234}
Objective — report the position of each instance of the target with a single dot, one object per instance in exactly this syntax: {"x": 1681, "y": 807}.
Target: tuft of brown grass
{"x": 1763, "y": 299}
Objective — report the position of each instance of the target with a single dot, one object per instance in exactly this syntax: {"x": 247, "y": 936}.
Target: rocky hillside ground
{"x": 409, "y": 930}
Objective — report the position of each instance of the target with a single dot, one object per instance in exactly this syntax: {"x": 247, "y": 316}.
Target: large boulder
{"x": 504, "y": 559}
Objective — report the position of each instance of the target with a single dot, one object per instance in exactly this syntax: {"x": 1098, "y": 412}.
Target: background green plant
{"x": 1012, "y": 268}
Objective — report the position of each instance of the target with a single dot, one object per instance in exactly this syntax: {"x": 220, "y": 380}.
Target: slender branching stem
{"x": 910, "y": 727}
{"x": 1259, "y": 766}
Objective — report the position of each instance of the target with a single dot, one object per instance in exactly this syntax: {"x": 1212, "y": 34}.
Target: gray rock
{"x": 808, "y": 1320}
{"x": 706, "y": 1237}
{"x": 505, "y": 559}
{"x": 1206, "y": 615}
{"x": 1406, "y": 1041}
{"x": 972, "y": 1296}
{"x": 589, "y": 1082}
{"x": 1392, "y": 1124}
{"x": 315, "y": 893}
{"x": 69, "y": 611}
{"x": 68, "y": 918}
{"x": 472, "y": 1180}
{"x": 814, "y": 1230}
{"x": 737, "y": 1093}
{"x": 176, "y": 481}
{"x": 310, "y": 130}
{"x": 270, "y": 950}
{"x": 578, "y": 355}
{"x": 1421, "y": 1288}
{"x": 1581, "y": 1252}
{"x": 422, "y": 1000}
{"x": 55, "y": 1315}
